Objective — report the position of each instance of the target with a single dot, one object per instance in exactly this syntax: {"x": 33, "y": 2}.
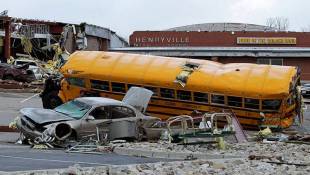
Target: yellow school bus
{"x": 257, "y": 94}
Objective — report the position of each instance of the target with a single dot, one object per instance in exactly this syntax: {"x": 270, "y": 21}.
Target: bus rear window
{"x": 200, "y": 97}
{"x": 218, "y": 99}
{"x": 153, "y": 89}
{"x": 100, "y": 85}
{"x": 184, "y": 95}
{"x": 167, "y": 93}
{"x": 76, "y": 81}
{"x": 118, "y": 87}
{"x": 234, "y": 101}
{"x": 271, "y": 104}
{"x": 251, "y": 103}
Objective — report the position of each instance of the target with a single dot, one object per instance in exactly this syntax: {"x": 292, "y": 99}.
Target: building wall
{"x": 302, "y": 63}
{"x": 210, "y": 39}
{"x": 97, "y": 44}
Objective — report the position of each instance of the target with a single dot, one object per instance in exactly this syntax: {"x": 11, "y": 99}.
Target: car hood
{"x": 41, "y": 116}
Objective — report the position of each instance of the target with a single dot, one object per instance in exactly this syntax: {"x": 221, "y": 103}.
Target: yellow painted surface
{"x": 238, "y": 79}
{"x": 266, "y": 40}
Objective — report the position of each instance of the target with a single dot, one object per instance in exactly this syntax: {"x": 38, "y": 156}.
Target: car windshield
{"x": 75, "y": 109}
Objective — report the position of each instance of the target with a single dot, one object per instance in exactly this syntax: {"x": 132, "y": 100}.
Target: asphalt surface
{"x": 11, "y": 103}
{"x": 21, "y": 158}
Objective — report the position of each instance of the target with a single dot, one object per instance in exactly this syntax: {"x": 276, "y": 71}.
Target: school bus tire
{"x": 51, "y": 100}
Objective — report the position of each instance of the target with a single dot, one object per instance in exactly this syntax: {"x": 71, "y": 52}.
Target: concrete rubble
{"x": 297, "y": 153}
{"x": 224, "y": 167}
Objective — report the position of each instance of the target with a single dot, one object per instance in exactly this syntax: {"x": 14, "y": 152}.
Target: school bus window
{"x": 100, "y": 85}
{"x": 153, "y": 89}
{"x": 234, "y": 101}
{"x": 76, "y": 81}
{"x": 251, "y": 103}
{"x": 184, "y": 95}
{"x": 201, "y": 97}
{"x": 131, "y": 85}
{"x": 271, "y": 104}
{"x": 167, "y": 93}
{"x": 218, "y": 99}
{"x": 118, "y": 87}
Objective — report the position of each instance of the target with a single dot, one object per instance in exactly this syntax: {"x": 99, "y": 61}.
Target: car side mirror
{"x": 90, "y": 118}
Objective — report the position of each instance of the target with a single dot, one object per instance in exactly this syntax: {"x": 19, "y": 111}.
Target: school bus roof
{"x": 237, "y": 79}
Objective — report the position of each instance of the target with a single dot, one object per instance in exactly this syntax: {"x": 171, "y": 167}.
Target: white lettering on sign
{"x": 176, "y": 40}
{"x": 30, "y": 29}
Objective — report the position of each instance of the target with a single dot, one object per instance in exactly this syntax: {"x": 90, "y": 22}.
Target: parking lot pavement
{"x": 11, "y": 103}
{"x": 21, "y": 158}
{"x": 8, "y": 137}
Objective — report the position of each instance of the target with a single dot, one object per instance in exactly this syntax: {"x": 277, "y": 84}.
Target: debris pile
{"x": 11, "y": 84}
{"x": 237, "y": 167}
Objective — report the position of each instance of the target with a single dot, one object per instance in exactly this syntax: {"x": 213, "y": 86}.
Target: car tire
{"x": 51, "y": 100}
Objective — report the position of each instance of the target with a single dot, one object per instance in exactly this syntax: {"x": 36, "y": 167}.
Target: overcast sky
{"x": 126, "y": 16}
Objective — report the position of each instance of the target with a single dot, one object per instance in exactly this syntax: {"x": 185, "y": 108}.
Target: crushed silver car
{"x": 85, "y": 116}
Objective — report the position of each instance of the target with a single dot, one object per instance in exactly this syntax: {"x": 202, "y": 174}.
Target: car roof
{"x": 94, "y": 101}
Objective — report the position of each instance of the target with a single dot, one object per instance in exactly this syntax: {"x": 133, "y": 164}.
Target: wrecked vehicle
{"x": 33, "y": 66}
{"x": 85, "y": 116}
{"x": 259, "y": 95}
{"x": 17, "y": 73}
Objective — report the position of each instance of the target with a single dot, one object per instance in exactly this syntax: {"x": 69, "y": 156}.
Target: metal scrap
{"x": 187, "y": 70}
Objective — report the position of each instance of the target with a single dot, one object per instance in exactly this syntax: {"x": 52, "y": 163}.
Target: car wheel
{"x": 51, "y": 100}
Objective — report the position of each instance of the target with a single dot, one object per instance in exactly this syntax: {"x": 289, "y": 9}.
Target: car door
{"x": 123, "y": 122}
{"x": 99, "y": 117}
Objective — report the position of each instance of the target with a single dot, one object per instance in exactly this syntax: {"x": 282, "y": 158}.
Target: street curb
{"x": 7, "y": 129}
{"x": 171, "y": 155}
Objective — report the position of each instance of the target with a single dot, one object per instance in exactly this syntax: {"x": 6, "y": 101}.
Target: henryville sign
{"x": 166, "y": 40}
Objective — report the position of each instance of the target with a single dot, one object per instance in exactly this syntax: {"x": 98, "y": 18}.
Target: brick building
{"x": 227, "y": 43}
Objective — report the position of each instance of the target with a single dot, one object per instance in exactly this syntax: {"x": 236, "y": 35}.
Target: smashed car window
{"x": 271, "y": 104}
{"x": 74, "y": 109}
{"x": 100, "y": 113}
{"x": 122, "y": 112}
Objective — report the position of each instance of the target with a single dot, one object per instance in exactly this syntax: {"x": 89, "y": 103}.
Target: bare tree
{"x": 278, "y": 23}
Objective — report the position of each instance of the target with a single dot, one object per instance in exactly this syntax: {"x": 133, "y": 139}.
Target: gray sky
{"x": 126, "y": 16}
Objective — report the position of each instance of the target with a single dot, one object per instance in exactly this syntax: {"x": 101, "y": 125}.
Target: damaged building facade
{"x": 43, "y": 34}
{"x": 227, "y": 43}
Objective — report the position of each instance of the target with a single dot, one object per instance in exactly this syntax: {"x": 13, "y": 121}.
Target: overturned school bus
{"x": 257, "y": 94}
